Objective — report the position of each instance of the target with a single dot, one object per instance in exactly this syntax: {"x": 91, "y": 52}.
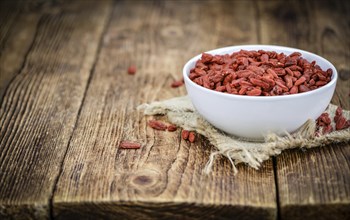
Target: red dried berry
{"x": 192, "y": 136}
{"x": 340, "y": 123}
{"x": 338, "y": 113}
{"x": 132, "y": 70}
{"x": 324, "y": 118}
{"x": 129, "y": 145}
{"x": 157, "y": 125}
{"x": 172, "y": 128}
{"x": 176, "y": 84}
{"x": 185, "y": 134}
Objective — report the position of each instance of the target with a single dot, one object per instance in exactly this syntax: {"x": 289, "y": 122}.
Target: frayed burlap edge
{"x": 181, "y": 112}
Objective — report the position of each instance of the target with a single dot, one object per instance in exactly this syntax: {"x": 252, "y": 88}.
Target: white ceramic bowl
{"x": 254, "y": 117}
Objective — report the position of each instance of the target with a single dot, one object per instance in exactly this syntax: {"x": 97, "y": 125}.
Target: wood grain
{"x": 66, "y": 102}
{"x": 16, "y": 35}
{"x": 313, "y": 184}
{"x": 334, "y": 44}
{"x": 39, "y": 110}
{"x": 164, "y": 178}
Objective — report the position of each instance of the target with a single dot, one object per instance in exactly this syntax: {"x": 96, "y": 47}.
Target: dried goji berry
{"x": 177, "y": 83}
{"x": 254, "y": 92}
{"x": 340, "y": 123}
{"x": 129, "y": 145}
{"x": 132, "y": 70}
{"x": 172, "y": 127}
{"x": 185, "y": 134}
{"x": 192, "y": 136}
{"x": 158, "y": 125}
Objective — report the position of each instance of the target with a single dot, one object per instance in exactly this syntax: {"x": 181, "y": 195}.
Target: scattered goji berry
{"x": 132, "y": 70}
{"x": 177, "y": 83}
{"x": 158, "y": 125}
{"x": 192, "y": 136}
{"x": 129, "y": 145}
{"x": 185, "y": 134}
{"x": 172, "y": 127}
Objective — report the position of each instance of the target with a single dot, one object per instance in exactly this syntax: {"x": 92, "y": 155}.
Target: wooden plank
{"x": 164, "y": 178}
{"x": 39, "y": 110}
{"x": 334, "y": 44}
{"x": 18, "y": 26}
{"x": 313, "y": 184}
{"x": 13, "y": 49}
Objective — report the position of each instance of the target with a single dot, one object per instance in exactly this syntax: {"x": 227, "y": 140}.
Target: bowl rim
{"x": 231, "y": 49}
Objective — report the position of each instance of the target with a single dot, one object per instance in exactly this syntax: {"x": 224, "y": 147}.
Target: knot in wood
{"x": 142, "y": 180}
{"x": 145, "y": 178}
{"x": 172, "y": 31}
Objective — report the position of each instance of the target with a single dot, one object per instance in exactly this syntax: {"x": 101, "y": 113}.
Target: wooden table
{"x": 67, "y": 102}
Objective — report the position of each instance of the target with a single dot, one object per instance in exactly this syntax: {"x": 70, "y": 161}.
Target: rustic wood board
{"x": 66, "y": 102}
{"x": 16, "y": 35}
{"x": 40, "y": 107}
{"x": 313, "y": 184}
{"x": 164, "y": 178}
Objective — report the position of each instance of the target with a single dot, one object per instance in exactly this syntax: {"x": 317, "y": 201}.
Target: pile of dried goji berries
{"x": 324, "y": 122}
{"x": 259, "y": 73}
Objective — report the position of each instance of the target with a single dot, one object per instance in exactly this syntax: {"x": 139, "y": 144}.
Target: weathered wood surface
{"x": 40, "y": 107}
{"x": 164, "y": 178}
{"x": 16, "y": 35}
{"x": 68, "y": 103}
{"x": 314, "y": 184}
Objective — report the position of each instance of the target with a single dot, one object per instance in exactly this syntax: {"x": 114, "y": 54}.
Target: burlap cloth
{"x": 181, "y": 112}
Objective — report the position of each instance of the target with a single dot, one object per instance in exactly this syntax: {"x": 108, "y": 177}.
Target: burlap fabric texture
{"x": 181, "y": 112}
